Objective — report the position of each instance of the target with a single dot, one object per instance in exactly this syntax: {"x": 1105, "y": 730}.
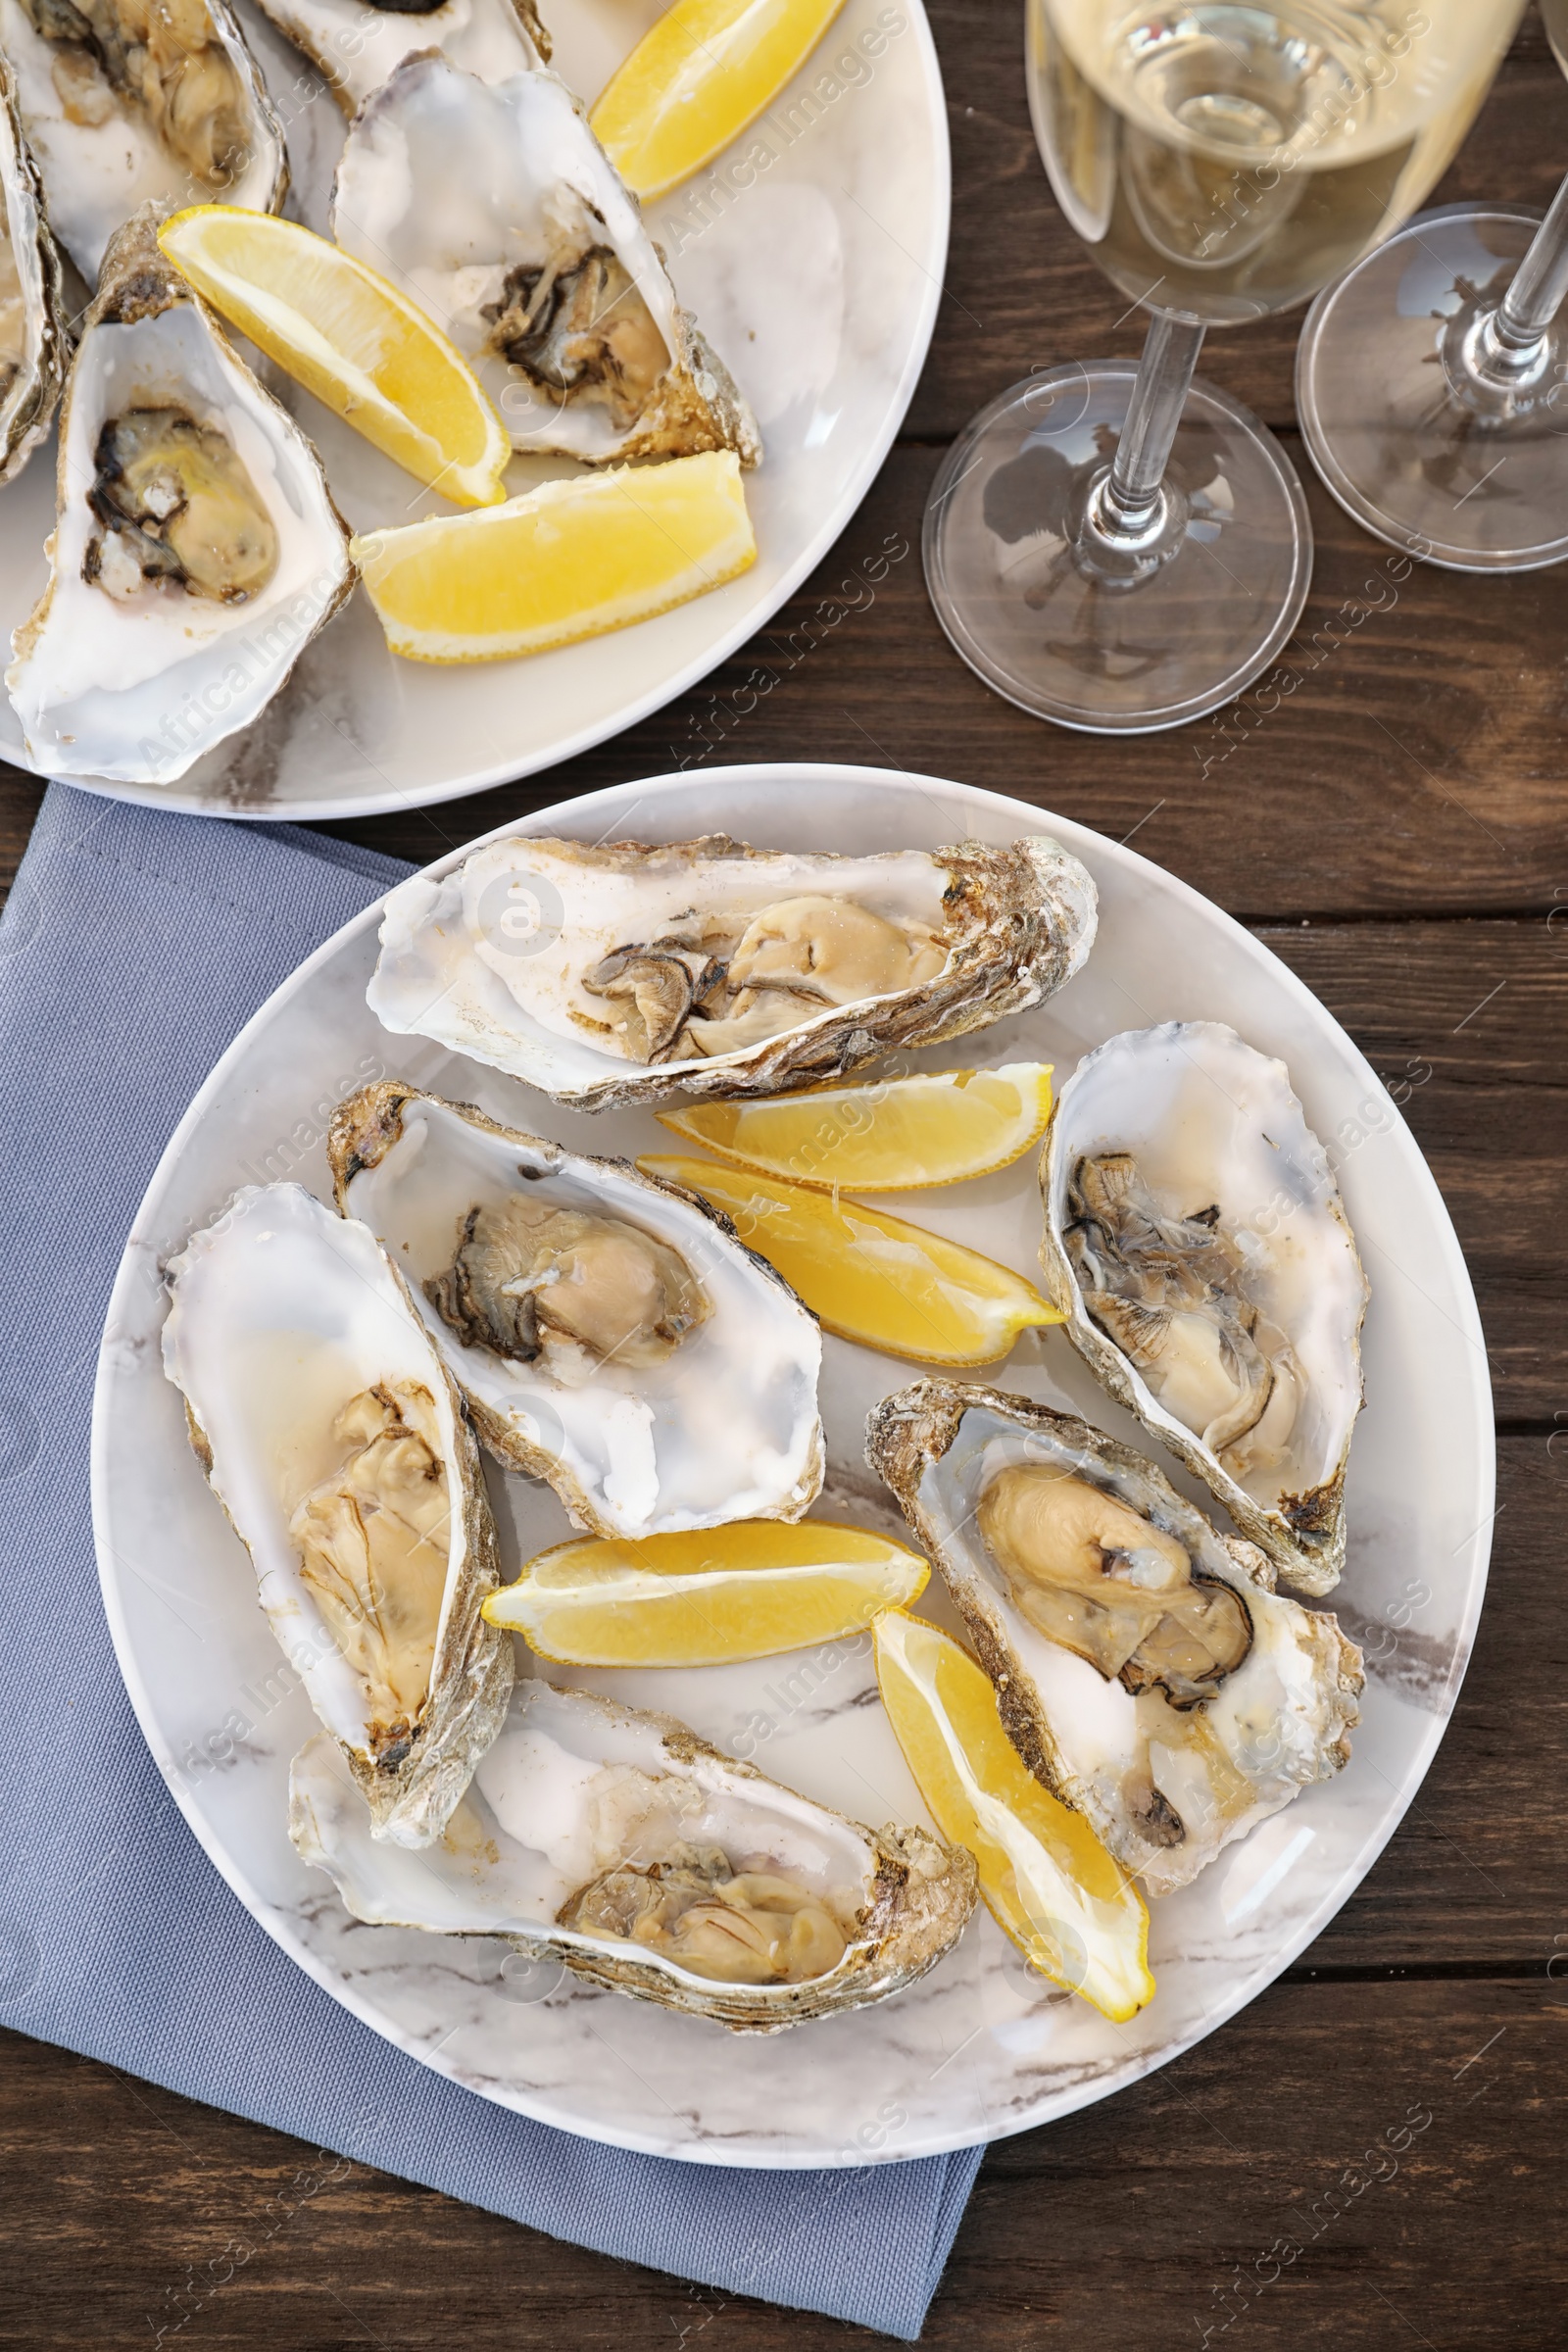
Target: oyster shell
{"x": 129, "y": 102}
{"x": 628, "y": 972}
{"x": 1197, "y": 1245}
{"x": 1146, "y": 1669}
{"x": 357, "y": 44}
{"x": 33, "y": 341}
{"x": 334, "y": 1441}
{"x": 534, "y": 259}
{"x": 610, "y": 1332}
{"x": 196, "y": 552}
{"x": 623, "y": 1846}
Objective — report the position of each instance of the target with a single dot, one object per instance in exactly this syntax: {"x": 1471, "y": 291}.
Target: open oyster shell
{"x": 629, "y": 972}
{"x": 609, "y": 1332}
{"x": 1146, "y": 1669}
{"x": 196, "y": 549}
{"x": 334, "y": 1441}
{"x": 533, "y": 257}
{"x": 130, "y": 102}
{"x": 1197, "y": 1245}
{"x": 586, "y": 1816}
{"x": 34, "y": 344}
{"x": 358, "y": 43}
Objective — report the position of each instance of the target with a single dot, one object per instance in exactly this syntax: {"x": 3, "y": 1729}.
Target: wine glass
{"x": 1122, "y": 548}
{"x": 1432, "y": 382}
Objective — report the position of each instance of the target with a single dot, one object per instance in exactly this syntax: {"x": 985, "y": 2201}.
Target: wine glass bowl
{"x": 1117, "y": 549}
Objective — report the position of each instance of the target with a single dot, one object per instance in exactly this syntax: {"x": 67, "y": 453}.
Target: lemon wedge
{"x": 940, "y": 1127}
{"x": 343, "y": 332}
{"x": 693, "y": 83}
{"x": 868, "y": 1276}
{"x": 1044, "y": 1876}
{"x": 570, "y": 560}
{"x": 745, "y": 1590}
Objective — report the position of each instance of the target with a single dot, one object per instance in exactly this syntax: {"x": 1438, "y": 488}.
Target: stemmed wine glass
{"x": 1121, "y": 549}
{"x": 1432, "y": 383}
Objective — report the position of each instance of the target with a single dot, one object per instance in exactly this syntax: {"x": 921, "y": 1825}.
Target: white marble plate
{"x": 816, "y": 279}
{"x": 982, "y": 2047}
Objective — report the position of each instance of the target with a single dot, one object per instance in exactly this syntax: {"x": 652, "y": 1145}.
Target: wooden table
{"x": 1396, "y": 831}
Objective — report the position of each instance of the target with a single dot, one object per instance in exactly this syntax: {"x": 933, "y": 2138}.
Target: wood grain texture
{"x": 1389, "y": 816}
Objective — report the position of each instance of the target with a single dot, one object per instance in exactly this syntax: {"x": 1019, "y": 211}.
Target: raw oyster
{"x": 628, "y": 972}
{"x": 1146, "y": 1669}
{"x": 33, "y": 341}
{"x": 621, "y": 1844}
{"x": 130, "y": 102}
{"x": 534, "y": 259}
{"x": 610, "y": 1332}
{"x": 357, "y": 44}
{"x": 332, "y": 1437}
{"x": 197, "y": 549}
{"x": 1197, "y": 1243}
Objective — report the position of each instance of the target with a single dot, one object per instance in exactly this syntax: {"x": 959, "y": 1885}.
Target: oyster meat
{"x": 621, "y": 1845}
{"x": 608, "y": 1332}
{"x": 358, "y": 43}
{"x": 196, "y": 552}
{"x": 1146, "y": 1669}
{"x": 534, "y": 259}
{"x": 627, "y": 972}
{"x": 130, "y": 102}
{"x": 1197, "y": 1243}
{"x": 33, "y": 341}
{"x": 330, "y": 1433}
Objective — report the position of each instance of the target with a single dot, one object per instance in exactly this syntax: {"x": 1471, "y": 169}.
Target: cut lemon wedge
{"x": 897, "y": 1137}
{"x": 343, "y": 332}
{"x": 745, "y": 1590}
{"x": 868, "y": 1276}
{"x": 1044, "y": 1876}
{"x": 694, "y": 83}
{"x": 570, "y": 560}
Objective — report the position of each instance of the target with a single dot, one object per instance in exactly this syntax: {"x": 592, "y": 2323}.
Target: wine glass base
{"x": 1439, "y": 466}
{"x": 1182, "y": 636}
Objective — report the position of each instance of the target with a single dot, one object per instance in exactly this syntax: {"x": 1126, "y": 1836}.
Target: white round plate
{"x": 982, "y": 2047}
{"x": 814, "y": 275}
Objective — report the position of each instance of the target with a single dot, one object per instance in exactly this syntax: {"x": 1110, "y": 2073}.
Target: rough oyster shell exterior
{"x": 27, "y": 401}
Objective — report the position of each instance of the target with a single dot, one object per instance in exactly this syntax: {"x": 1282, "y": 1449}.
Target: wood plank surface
{"x": 1371, "y": 2156}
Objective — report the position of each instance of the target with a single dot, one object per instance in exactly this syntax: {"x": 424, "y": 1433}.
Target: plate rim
{"x": 670, "y": 690}
{"x": 1058, "y": 2105}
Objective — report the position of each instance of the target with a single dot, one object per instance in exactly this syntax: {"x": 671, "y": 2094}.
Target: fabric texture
{"x": 134, "y": 946}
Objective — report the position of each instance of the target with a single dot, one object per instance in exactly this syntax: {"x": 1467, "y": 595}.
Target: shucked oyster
{"x": 533, "y": 257}
{"x": 127, "y": 102}
{"x": 1196, "y": 1242}
{"x": 1146, "y": 1669}
{"x": 358, "y": 43}
{"x": 197, "y": 549}
{"x": 337, "y": 1445}
{"x": 621, "y": 1844}
{"x": 33, "y": 341}
{"x": 610, "y": 1332}
{"x": 628, "y": 972}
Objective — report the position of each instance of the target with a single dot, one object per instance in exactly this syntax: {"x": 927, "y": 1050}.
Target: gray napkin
{"x": 133, "y": 948}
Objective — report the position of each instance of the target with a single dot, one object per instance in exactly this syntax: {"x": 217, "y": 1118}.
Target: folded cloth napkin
{"x": 134, "y": 946}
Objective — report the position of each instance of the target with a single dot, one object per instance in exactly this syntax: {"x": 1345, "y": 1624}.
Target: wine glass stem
{"x": 1164, "y": 379}
{"x": 1539, "y": 283}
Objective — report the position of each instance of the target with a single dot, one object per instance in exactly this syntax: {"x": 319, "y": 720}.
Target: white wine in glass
{"x": 1121, "y": 549}
{"x": 1433, "y": 382}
